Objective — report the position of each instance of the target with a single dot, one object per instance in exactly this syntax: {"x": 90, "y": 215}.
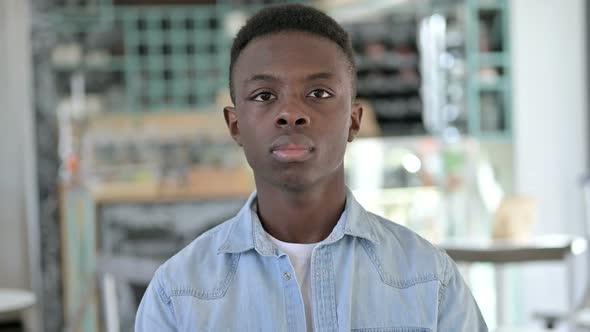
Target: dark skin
{"x": 294, "y": 114}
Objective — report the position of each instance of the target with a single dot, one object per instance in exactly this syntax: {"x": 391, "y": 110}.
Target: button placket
{"x": 294, "y": 309}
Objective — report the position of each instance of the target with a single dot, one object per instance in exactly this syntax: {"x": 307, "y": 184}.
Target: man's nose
{"x": 293, "y": 114}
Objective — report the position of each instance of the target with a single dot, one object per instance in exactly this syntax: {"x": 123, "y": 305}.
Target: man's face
{"x": 293, "y": 110}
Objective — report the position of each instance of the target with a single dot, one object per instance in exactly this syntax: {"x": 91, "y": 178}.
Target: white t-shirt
{"x": 300, "y": 256}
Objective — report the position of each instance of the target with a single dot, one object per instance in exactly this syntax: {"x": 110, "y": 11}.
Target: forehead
{"x": 291, "y": 53}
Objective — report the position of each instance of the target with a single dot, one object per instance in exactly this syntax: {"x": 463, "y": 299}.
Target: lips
{"x": 292, "y": 148}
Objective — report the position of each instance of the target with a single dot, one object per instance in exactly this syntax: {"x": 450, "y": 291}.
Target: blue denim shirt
{"x": 369, "y": 274}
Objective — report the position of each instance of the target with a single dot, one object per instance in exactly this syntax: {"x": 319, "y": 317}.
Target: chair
{"x": 579, "y": 316}
{"x": 110, "y": 269}
{"x": 19, "y": 305}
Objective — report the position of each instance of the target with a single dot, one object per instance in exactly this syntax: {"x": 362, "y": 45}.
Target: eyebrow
{"x": 271, "y": 78}
{"x": 319, "y": 76}
{"x": 262, "y": 77}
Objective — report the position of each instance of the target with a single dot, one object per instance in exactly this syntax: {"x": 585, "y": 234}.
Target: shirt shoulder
{"x": 403, "y": 257}
{"x": 198, "y": 269}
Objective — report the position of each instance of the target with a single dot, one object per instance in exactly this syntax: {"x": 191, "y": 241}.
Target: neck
{"x": 301, "y": 216}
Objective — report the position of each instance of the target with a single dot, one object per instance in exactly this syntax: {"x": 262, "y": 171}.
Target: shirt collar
{"x": 246, "y": 232}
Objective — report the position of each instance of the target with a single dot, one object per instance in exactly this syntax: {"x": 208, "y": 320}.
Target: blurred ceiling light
{"x": 234, "y": 21}
{"x": 411, "y": 163}
{"x": 579, "y": 246}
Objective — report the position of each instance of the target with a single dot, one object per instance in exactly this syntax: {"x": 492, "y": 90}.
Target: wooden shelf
{"x": 201, "y": 185}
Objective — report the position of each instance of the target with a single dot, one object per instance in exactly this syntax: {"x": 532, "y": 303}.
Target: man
{"x": 302, "y": 254}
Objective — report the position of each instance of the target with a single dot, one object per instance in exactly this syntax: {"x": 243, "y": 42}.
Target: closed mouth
{"x": 292, "y": 148}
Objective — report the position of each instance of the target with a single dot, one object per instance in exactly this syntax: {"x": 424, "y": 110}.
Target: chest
{"x": 348, "y": 293}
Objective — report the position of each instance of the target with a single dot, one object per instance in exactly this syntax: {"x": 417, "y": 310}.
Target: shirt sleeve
{"x": 155, "y": 312}
{"x": 458, "y": 310}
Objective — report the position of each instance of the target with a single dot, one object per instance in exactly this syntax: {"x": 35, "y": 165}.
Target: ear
{"x": 355, "y": 121}
{"x": 231, "y": 120}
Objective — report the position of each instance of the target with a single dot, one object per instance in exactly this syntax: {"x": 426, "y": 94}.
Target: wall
{"x": 551, "y": 133}
{"x": 15, "y": 133}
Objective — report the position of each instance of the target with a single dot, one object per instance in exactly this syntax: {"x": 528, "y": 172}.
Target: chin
{"x": 295, "y": 182}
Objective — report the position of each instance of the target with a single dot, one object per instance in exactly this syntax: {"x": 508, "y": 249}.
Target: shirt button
{"x": 287, "y": 276}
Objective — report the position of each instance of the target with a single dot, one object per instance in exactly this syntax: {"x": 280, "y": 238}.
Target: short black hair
{"x": 291, "y": 17}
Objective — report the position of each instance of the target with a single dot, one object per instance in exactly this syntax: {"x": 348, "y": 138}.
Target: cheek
{"x": 337, "y": 140}
{"x": 250, "y": 142}
{"x": 341, "y": 126}
{"x": 253, "y": 151}
{"x": 250, "y": 155}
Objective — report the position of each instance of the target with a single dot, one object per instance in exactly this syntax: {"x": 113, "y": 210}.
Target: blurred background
{"x": 114, "y": 153}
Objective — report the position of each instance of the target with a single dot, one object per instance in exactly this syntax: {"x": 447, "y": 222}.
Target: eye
{"x": 264, "y": 96}
{"x": 320, "y": 93}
